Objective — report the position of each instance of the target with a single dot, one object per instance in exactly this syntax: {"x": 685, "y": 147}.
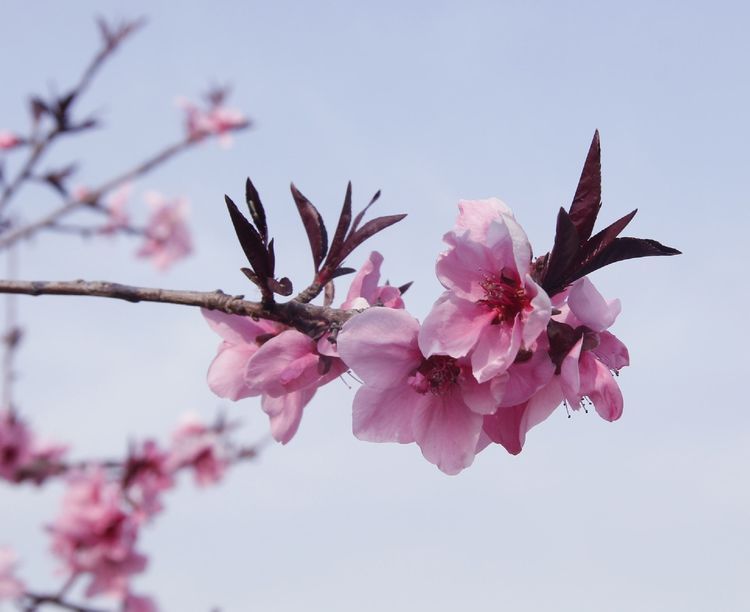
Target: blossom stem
{"x": 35, "y": 600}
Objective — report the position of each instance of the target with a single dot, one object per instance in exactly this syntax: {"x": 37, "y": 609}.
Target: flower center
{"x": 504, "y": 294}
{"x": 437, "y": 374}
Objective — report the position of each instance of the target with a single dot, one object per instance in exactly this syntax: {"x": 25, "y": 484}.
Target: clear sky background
{"x": 432, "y": 102}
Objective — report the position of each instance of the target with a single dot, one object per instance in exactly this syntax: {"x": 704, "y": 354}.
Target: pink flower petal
{"x": 496, "y": 350}
{"x": 380, "y": 345}
{"x": 238, "y": 329}
{"x": 606, "y": 395}
{"x": 446, "y": 431}
{"x": 611, "y": 351}
{"x": 226, "y": 374}
{"x": 285, "y": 412}
{"x": 454, "y": 326}
{"x": 384, "y": 415}
{"x": 588, "y": 305}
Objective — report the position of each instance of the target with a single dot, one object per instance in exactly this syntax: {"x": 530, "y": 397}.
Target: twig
{"x": 74, "y": 204}
{"x": 42, "y": 145}
{"x": 305, "y": 317}
{"x": 11, "y": 338}
{"x": 41, "y": 599}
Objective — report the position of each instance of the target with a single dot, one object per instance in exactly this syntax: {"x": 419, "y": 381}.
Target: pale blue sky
{"x": 430, "y": 101}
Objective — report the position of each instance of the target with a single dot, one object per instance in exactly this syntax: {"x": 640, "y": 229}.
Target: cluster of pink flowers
{"x": 282, "y": 365}
{"x": 494, "y": 357}
{"x": 167, "y": 235}
{"x": 216, "y": 120}
{"x": 105, "y": 504}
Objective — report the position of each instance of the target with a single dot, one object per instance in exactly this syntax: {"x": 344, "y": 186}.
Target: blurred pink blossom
{"x": 9, "y": 140}
{"x": 167, "y": 236}
{"x": 116, "y": 205}
{"x": 94, "y": 535}
{"x": 216, "y": 120}
{"x": 10, "y": 586}
{"x": 199, "y": 447}
{"x": 147, "y": 475}
{"x": 15, "y": 445}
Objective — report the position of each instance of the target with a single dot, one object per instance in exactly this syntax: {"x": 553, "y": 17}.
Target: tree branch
{"x": 308, "y": 318}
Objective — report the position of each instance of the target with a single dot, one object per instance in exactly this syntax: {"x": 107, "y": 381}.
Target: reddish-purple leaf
{"x": 342, "y": 227}
{"x": 562, "y": 338}
{"x": 283, "y": 286}
{"x": 341, "y": 272}
{"x": 250, "y": 240}
{"x": 405, "y": 287}
{"x": 358, "y": 218}
{"x": 252, "y": 276}
{"x": 563, "y": 254}
{"x": 314, "y": 226}
{"x": 368, "y": 230}
{"x": 588, "y": 198}
{"x": 271, "y": 259}
{"x": 601, "y": 240}
{"x": 624, "y": 248}
{"x": 257, "y": 211}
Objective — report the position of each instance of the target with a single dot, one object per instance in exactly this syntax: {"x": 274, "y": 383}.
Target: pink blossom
{"x": 10, "y": 586}
{"x": 15, "y": 446}
{"x": 216, "y": 120}
{"x": 116, "y": 205}
{"x": 9, "y": 140}
{"x": 200, "y": 448}
{"x": 529, "y": 392}
{"x": 94, "y": 535}
{"x": 148, "y": 474}
{"x": 365, "y": 291}
{"x": 167, "y": 236}
{"x": 493, "y": 308}
{"x": 287, "y": 371}
{"x": 266, "y": 358}
{"x": 408, "y": 397}
{"x": 586, "y": 370}
{"x": 138, "y": 603}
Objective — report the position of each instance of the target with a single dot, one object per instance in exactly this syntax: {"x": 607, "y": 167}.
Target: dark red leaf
{"x": 251, "y": 275}
{"x": 368, "y": 230}
{"x": 314, "y": 226}
{"x": 588, "y": 198}
{"x": 341, "y": 272}
{"x": 627, "y": 248}
{"x": 562, "y": 338}
{"x": 271, "y": 259}
{"x": 342, "y": 227}
{"x": 563, "y": 254}
{"x": 601, "y": 240}
{"x": 405, "y": 287}
{"x": 358, "y": 218}
{"x": 283, "y": 286}
{"x": 257, "y": 211}
{"x": 249, "y": 239}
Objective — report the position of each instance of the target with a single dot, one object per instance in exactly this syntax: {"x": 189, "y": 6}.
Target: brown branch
{"x": 74, "y": 204}
{"x": 41, "y": 599}
{"x": 308, "y": 318}
{"x": 41, "y": 146}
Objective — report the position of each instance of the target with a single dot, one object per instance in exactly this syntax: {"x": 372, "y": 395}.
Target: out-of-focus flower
{"x": 9, "y": 140}
{"x": 167, "y": 236}
{"x": 116, "y": 205}
{"x": 94, "y": 535}
{"x": 147, "y": 475}
{"x": 216, "y": 120}
{"x": 200, "y": 448}
{"x": 493, "y": 308}
{"x": 10, "y": 586}
{"x": 15, "y": 445}
{"x": 434, "y": 401}
{"x": 138, "y": 603}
